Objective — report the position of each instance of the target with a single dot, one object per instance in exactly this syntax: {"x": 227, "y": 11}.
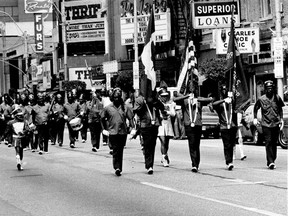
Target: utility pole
{"x": 278, "y": 50}
{"x": 26, "y": 56}
{"x": 136, "y": 62}
{"x": 64, "y": 41}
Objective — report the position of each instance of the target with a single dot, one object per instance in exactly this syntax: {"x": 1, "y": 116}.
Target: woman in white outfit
{"x": 165, "y": 131}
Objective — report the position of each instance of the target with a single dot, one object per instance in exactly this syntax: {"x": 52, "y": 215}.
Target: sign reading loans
{"x": 247, "y": 40}
{"x": 162, "y": 28}
{"x": 215, "y": 14}
{"x": 38, "y": 6}
{"x": 85, "y": 21}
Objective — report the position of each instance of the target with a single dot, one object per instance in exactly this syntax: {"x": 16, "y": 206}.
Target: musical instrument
{"x": 76, "y": 124}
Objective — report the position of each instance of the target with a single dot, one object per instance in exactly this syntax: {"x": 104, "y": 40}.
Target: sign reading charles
{"x": 215, "y": 14}
{"x": 38, "y": 6}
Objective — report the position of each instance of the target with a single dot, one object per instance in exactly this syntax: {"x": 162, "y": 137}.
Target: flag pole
{"x": 136, "y": 52}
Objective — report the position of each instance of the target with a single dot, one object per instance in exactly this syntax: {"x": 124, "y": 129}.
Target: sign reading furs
{"x": 215, "y": 14}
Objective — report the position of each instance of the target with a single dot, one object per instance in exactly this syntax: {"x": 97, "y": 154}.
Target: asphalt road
{"x": 80, "y": 182}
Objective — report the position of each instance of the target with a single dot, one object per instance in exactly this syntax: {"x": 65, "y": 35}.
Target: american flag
{"x": 189, "y": 65}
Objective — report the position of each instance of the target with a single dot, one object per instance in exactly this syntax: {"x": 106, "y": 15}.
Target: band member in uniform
{"x": 228, "y": 124}
{"x": 165, "y": 130}
{"x": 192, "y": 114}
{"x": 5, "y": 113}
{"x": 71, "y": 110}
{"x": 116, "y": 115}
{"x": 84, "y": 109}
{"x": 272, "y": 120}
{"x": 40, "y": 114}
{"x": 31, "y": 136}
{"x": 18, "y": 127}
{"x": 94, "y": 120}
{"x": 149, "y": 117}
{"x": 59, "y": 122}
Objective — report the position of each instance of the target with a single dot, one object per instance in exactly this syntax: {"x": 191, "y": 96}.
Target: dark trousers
{"x": 270, "y": 136}
{"x": 57, "y": 130}
{"x": 95, "y": 131}
{"x": 84, "y": 129}
{"x": 228, "y": 138}
{"x": 118, "y": 142}
{"x": 72, "y": 134}
{"x": 43, "y": 137}
{"x": 194, "y": 135}
{"x": 149, "y": 135}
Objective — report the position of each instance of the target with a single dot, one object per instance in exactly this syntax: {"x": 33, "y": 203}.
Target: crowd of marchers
{"x": 29, "y": 121}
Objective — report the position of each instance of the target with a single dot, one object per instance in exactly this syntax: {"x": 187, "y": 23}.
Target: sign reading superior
{"x": 214, "y": 14}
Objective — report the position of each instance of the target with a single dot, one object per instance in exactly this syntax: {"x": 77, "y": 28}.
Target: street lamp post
{"x": 3, "y": 77}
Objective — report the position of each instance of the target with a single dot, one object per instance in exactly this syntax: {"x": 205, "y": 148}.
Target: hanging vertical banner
{"x": 38, "y": 25}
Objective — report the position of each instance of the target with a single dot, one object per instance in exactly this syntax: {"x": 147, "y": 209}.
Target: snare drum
{"x": 76, "y": 124}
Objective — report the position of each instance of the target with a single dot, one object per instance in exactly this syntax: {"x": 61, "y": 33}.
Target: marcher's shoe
{"x": 83, "y": 141}
{"x": 111, "y": 152}
{"x": 19, "y": 167}
{"x": 60, "y": 144}
{"x": 40, "y": 152}
{"x": 45, "y": 152}
{"x": 167, "y": 159}
{"x": 194, "y": 169}
{"x": 272, "y": 166}
{"x": 53, "y": 143}
{"x": 9, "y": 145}
{"x": 94, "y": 149}
{"x": 230, "y": 166}
{"x": 118, "y": 172}
{"x": 150, "y": 171}
{"x": 244, "y": 157}
{"x": 72, "y": 145}
{"x": 105, "y": 144}
{"x": 33, "y": 150}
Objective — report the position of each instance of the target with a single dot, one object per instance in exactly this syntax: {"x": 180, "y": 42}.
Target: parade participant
{"x": 113, "y": 118}
{"x": 40, "y": 114}
{"x": 18, "y": 127}
{"x": 105, "y": 100}
{"x": 94, "y": 120}
{"x": 71, "y": 111}
{"x": 271, "y": 120}
{"x": 228, "y": 124}
{"x": 31, "y": 136}
{"x": 165, "y": 130}
{"x": 192, "y": 114}
{"x": 59, "y": 123}
{"x": 149, "y": 117}
{"x": 5, "y": 112}
{"x": 83, "y": 107}
{"x": 240, "y": 137}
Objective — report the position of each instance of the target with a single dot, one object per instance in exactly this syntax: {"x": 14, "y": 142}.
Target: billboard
{"x": 162, "y": 28}
{"x": 247, "y": 40}
{"x": 85, "y": 21}
{"x": 214, "y": 14}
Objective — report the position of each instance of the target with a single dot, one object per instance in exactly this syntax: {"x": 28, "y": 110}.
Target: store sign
{"x": 247, "y": 40}
{"x": 162, "y": 28}
{"x": 85, "y": 21}
{"x": 278, "y": 57}
{"x": 38, "y": 6}
{"x": 215, "y": 14}
{"x": 84, "y": 75}
{"x": 39, "y": 40}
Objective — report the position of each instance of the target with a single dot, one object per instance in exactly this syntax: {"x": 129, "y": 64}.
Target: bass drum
{"x": 76, "y": 124}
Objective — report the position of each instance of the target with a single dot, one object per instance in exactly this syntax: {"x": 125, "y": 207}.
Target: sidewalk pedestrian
{"x": 271, "y": 121}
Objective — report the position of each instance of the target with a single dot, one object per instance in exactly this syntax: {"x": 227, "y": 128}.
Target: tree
{"x": 124, "y": 81}
{"x": 213, "y": 69}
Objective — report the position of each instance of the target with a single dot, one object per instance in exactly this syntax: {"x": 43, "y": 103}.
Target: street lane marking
{"x": 258, "y": 211}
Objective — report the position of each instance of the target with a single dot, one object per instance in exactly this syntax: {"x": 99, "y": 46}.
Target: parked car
{"x": 254, "y": 134}
{"x": 210, "y": 123}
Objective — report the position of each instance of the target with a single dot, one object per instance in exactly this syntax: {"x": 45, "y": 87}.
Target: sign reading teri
{"x": 247, "y": 40}
{"x": 215, "y": 14}
{"x": 84, "y": 21}
{"x": 162, "y": 28}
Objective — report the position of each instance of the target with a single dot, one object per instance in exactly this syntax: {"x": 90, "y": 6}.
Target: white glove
{"x": 191, "y": 96}
{"x": 255, "y": 121}
{"x": 281, "y": 125}
{"x": 65, "y": 117}
{"x": 82, "y": 113}
{"x": 105, "y": 132}
{"x": 228, "y": 100}
{"x": 195, "y": 101}
{"x": 133, "y": 132}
